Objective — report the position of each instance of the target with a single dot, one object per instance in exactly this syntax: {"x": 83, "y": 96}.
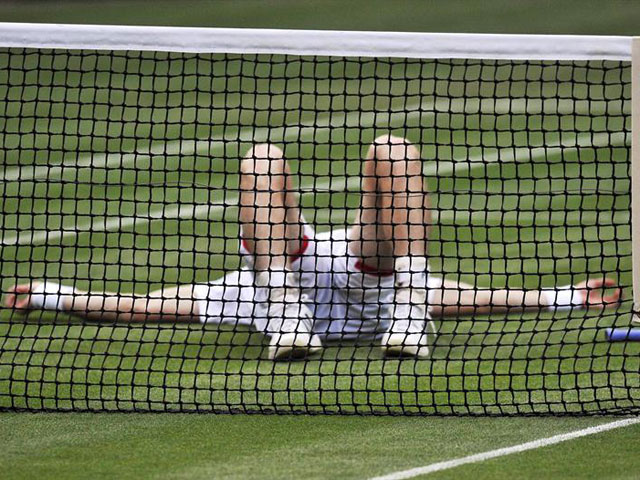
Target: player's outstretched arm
{"x": 170, "y": 305}
{"x": 461, "y": 299}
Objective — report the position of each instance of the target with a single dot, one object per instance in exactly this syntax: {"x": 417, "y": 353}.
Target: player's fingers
{"x": 597, "y": 295}
{"x": 11, "y": 296}
{"x": 12, "y": 299}
{"x": 22, "y": 303}
{"x": 9, "y": 300}
{"x": 22, "y": 288}
{"x": 594, "y": 283}
{"x": 594, "y": 298}
{"x": 613, "y": 297}
{"x": 601, "y": 282}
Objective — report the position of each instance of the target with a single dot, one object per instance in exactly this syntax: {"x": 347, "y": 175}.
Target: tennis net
{"x": 123, "y": 172}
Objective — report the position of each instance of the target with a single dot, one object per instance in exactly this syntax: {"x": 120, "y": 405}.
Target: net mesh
{"x": 122, "y": 173}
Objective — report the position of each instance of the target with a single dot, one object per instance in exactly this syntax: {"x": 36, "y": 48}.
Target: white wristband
{"x": 50, "y": 296}
{"x": 563, "y": 298}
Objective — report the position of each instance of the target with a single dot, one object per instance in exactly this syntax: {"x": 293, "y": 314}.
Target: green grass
{"x": 552, "y": 217}
{"x": 497, "y": 16}
{"x": 204, "y": 446}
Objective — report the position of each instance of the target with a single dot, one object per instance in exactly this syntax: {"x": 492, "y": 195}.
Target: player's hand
{"x": 600, "y": 292}
{"x": 19, "y": 296}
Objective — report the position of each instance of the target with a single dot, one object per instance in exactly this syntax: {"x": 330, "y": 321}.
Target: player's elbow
{"x": 264, "y": 169}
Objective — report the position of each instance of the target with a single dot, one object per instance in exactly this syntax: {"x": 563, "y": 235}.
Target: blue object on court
{"x": 623, "y": 334}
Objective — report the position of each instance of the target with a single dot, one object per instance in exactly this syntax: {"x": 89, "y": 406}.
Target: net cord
{"x": 316, "y": 42}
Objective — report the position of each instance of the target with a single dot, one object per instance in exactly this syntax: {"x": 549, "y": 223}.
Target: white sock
{"x": 563, "y": 298}
{"x": 413, "y": 264}
{"x": 50, "y": 296}
{"x": 412, "y": 271}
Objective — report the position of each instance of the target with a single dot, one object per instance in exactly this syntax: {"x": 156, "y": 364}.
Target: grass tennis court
{"x": 205, "y": 446}
{"x": 166, "y": 213}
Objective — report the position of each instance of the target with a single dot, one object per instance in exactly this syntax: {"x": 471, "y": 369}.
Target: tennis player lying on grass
{"x": 301, "y": 288}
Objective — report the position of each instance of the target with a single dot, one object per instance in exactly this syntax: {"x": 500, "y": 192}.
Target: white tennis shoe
{"x": 290, "y": 322}
{"x": 411, "y": 327}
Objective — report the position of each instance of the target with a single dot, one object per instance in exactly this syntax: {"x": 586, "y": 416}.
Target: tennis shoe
{"x": 411, "y": 327}
{"x": 290, "y": 324}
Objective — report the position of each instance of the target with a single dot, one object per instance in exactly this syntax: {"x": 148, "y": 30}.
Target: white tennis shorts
{"x": 346, "y": 303}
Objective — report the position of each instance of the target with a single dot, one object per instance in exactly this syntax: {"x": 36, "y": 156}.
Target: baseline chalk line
{"x": 523, "y": 447}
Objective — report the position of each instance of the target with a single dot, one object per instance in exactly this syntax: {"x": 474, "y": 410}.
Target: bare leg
{"x": 269, "y": 214}
{"x": 391, "y": 236}
{"x": 394, "y": 214}
{"x": 272, "y": 228}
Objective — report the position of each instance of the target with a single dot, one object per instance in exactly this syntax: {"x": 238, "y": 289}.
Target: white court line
{"x": 182, "y": 211}
{"x": 495, "y": 155}
{"x": 192, "y": 211}
{"x": 210, "y": 146}
{"x": 458, "y": 218}
{"x": 565, "y": 107}
{"x": 523, "y": 447}
{"x": 98, "y": 160}
{"x": 440, "y": 105}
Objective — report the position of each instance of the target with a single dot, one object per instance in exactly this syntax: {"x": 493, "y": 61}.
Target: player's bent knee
{"x": 396, "y": 164}
{"x": 263, "y": 162}
{"x": 264, "y": 151}
{"x": 388, "y": 139}
{"x": 393, "y": 155}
